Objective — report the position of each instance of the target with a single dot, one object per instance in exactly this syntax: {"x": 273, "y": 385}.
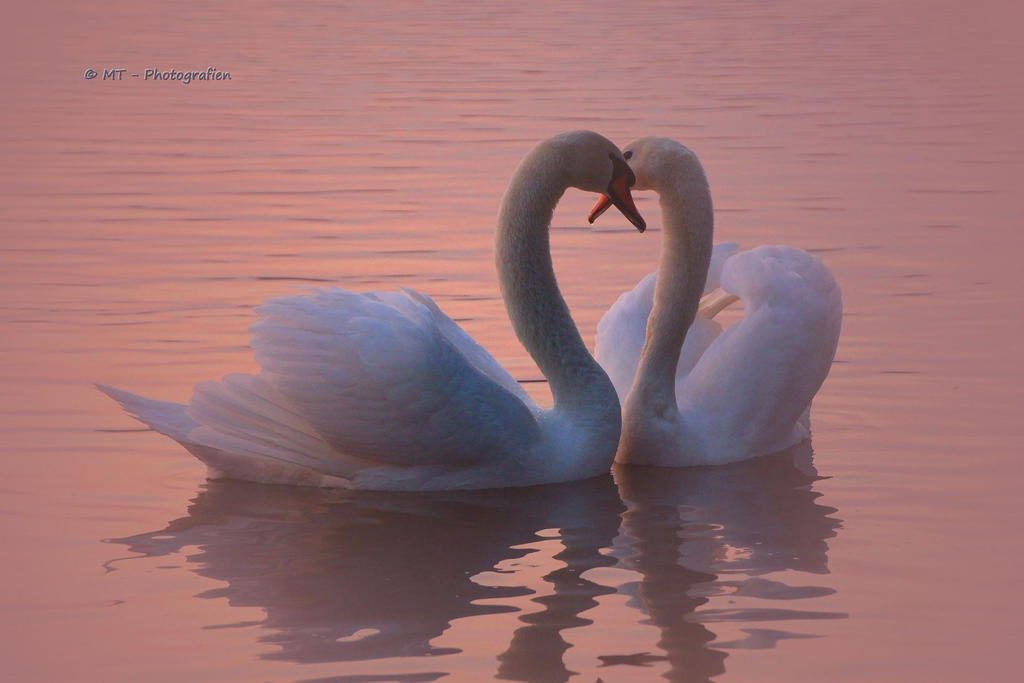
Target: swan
{"x": 381, "y": 390}
{"x": 722, "y": 396}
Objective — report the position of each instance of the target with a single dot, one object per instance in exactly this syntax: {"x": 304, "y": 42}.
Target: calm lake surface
{"x": 366, "y": 145}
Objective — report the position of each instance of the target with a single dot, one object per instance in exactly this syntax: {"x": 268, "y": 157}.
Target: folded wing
{"x": 390, "y": 379}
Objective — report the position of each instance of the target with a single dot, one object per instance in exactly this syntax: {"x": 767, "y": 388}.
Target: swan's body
{"x": 382, "y": 390}
{"x": 719, "y": 397}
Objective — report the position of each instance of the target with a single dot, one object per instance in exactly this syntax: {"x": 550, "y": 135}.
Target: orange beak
{"x": 618, "y": 194}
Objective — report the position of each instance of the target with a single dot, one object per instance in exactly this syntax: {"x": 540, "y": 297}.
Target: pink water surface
{"x": 366, "y": 145}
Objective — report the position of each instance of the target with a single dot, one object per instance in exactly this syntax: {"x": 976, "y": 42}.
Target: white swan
{"x": 720, "y": 397}
{"x": 382, "y": 390}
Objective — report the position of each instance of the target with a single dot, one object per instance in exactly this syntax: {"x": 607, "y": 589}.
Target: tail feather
{"x": 244, "y": 406}
{"x": 240, "y": 429}
{"x": 163, "y": 416}
{"x": 245, "y": 412}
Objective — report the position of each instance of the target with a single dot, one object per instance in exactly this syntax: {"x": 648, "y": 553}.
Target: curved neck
{"x": 535, "y": 305}
{"x": 688, "y": 223}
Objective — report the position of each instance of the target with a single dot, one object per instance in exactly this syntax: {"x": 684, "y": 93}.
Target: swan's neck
{"x": 535, "y": 305}
{"x": 688, "y": 222}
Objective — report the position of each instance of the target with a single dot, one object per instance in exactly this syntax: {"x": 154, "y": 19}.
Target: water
{"x": 367, "y": 147}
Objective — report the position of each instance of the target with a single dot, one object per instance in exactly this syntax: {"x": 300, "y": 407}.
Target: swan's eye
{"x": 628, "y": 154}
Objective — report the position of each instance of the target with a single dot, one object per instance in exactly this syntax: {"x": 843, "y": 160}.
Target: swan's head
{"x": 594, "y": 164}
{"x": 656, "y": 163}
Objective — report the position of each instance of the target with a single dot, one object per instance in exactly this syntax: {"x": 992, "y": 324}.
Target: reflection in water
{"x": 395, "y": 569}
{"x": 535, "y": 653}
{"x": 696, "y": 533}
{"x": 367, "y": 576}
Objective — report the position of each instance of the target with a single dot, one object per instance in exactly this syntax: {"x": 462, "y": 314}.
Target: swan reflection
{"x": 698, "y": 533}
{"x": 344, "y": 577}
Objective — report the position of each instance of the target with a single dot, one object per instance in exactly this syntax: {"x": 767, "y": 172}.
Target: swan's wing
{"x": 755, "y": 382}
{"x": 623, "y": 329}
{"x": 379, "y": 377}
{"x": 475, "y": 354}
